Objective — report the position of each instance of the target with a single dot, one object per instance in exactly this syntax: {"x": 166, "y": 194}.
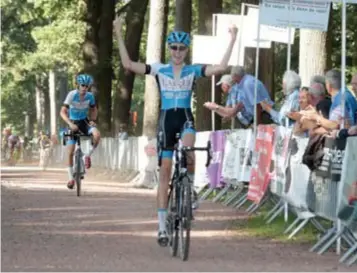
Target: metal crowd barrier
{"x": 309, "y": 196}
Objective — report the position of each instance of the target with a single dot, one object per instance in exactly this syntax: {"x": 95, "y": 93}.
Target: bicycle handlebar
{"x": 191, "y": 149}
{"x": 73, "y": 133}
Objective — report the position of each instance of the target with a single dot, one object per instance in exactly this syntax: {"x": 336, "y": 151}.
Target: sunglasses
{"x": 84, "y": 85}
{"x": 179, "y": 48}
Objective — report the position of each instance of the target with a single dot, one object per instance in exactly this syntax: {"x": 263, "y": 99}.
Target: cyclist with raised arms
{"x": 176, "y": 81}
{"x": 75, "y": 113}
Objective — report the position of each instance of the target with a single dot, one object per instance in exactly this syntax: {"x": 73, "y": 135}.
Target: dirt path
{"x": 112, "y": 227}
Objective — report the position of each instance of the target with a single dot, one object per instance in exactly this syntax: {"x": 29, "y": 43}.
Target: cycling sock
{"x": 91, "y": 150}
{"x": 162, "y": 215}
{"x": 191, "y": 176}
{"x": 70, "y": 173}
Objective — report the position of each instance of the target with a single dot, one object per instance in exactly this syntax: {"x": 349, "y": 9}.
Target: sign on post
{"x": 303, "y": 13}
{"x": 270, "y": 33}
{"x": 210, "y": 50}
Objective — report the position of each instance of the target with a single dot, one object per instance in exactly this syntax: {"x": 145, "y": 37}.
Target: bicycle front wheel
{"x": 185, "y": 218}
{"x": 78, "y": 175}
{"x": 172, "y": 222}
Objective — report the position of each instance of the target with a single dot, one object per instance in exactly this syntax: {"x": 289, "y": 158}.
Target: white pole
{"x": 343, "y": 87}
{"x": 288, "y": 61}
{"x": 288, "y": 66}
{"x": 241, "y": 27}
{"x": 213, "y": 77}
{"x": 255, "y": 129}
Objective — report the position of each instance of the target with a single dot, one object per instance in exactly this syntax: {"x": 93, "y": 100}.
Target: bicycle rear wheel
{"x": 185, "y": 218}
{"x": 172, "y": 222}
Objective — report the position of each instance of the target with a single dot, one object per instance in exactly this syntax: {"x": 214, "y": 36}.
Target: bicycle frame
{"x": 180, "y": 206}
{"x": 78, "y": 166}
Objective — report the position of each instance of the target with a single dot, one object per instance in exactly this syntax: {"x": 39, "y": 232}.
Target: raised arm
{"x": 219, "y": 69}
{"x": 138, "y": 68}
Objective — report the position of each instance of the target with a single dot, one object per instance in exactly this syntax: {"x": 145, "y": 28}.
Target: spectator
{"x": 334, "y": 122}
{"x": 317, "y": 92}
{"x": 226, "y": 83}
{"x": 354, "y": 84}
{"x": 240, "y": 102}
{"x": 304, "y": 104}
{"x": 318, "y": 79}
{"x": 291, "y": 87}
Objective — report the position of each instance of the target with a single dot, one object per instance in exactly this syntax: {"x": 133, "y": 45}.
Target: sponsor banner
{"x": 260, "y": 173}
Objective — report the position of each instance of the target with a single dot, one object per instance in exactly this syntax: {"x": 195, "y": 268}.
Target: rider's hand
{"x": 73, "y": 127}
{"x": 92, "y": 123}
{"x": 233, "y": 30}
{"x": 352, "y": 131}
{"x": 210, "y": 105}
{"x": 118, "y": 23}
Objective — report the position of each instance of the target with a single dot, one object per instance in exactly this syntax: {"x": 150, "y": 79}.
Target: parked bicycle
{"x": 180, "y": 200}
{"x": 78, "y": 166}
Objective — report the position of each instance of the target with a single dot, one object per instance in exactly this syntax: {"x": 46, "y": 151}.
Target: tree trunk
{"x": 183, "y": 18}
{"x": 203, "y": 93}
{"x": 105, "y": 72}
{"x": 40, "y": 100}
{"x": 47, "y": 108}
{"x": 135, "y": 18}
{"x": 312, "y": 55}
{"x": 91, "y": 40}
{"x": 330, "y": 38}
{"x": 52, "y": 97}
{"x": 154, "y": 49}
{"x": 62, "y": 92}
{"x": 266, "y": 69}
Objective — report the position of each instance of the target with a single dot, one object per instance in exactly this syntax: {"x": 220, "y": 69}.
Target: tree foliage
{"x": 43, "y": 35}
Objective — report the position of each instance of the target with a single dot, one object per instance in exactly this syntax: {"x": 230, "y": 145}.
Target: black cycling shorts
{"x": 172, "y": 122}
{"x": 84, "y": 127}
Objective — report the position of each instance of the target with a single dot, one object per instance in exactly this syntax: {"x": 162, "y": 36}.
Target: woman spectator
{"x": 291, "y": 87}
{"x": 305, "y": 104}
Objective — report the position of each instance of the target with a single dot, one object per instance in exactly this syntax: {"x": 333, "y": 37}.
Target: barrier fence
{"x": 268, "y": 168}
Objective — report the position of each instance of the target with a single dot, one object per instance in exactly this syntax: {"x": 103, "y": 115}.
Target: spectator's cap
{"x": 227, "y": 79}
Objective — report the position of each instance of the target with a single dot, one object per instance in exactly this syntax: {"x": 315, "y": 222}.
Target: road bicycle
{"x": 180, "y": 200}
{"x": 78, "y": 166}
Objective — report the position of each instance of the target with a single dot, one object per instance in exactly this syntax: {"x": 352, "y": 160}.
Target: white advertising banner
{"x": 237, "y": 156}
{"x": 349, "y": 171}
{"x": 270, "y": 33}
{"x": 303, "y": 14}
{"x": 201, "y": 176}
{"x": 210, "y": 50}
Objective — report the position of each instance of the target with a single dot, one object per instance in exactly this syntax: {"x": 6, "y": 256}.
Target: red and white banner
{"x": 260, "y": 172}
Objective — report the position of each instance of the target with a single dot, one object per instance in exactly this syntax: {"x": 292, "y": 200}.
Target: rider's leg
{"x": 96, "y": 138}
{"x": 70, "y": 148}
{"x": 162, "y": 192}
{"x": 188, "y": 140}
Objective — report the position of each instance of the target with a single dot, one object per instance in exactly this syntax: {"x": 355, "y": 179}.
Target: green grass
{"x": 255, "y": 226}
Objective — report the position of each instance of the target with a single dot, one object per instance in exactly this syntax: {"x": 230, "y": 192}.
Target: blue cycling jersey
{"x": 176, "y": 93}
{"x": 78, "y": 109}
